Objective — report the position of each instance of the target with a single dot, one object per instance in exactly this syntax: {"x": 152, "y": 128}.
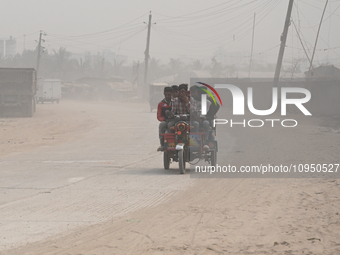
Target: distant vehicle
{"x": 49, "y": 91}
{"x": 156, "y": 94}
{"x": 17, "y": 90}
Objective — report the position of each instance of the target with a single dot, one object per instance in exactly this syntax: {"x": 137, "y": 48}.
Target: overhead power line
{"x": 105, "y": 31}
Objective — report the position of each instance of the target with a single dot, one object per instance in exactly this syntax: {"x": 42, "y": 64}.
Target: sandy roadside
{"x": 230, "y": 216}
{"x": 52, "y": 124}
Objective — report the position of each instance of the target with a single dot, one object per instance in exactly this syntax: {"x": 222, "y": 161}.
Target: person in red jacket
{"x": 164, "y": 106}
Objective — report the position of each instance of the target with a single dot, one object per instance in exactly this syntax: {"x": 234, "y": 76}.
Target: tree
{"x": 175, "y": 65}
{"x": 155, "y": 70}
{"x": 61, "y": 57}
{"x": 117, "y": 66}
{"x": 197, "y": 64}
{"x": 217, "y": 69}
{"x": 29, "y": 58}
{"x": 230, "y": 70}
{"x": 85, "y": 66}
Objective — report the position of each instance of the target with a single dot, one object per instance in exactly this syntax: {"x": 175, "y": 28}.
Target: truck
{"x": 49, "y": 91}
{"x": 18, "y": 90}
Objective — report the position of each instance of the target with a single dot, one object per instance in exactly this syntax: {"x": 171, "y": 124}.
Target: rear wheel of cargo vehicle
{"x": 181, "y": 162}
{"x": 166, "y": 160}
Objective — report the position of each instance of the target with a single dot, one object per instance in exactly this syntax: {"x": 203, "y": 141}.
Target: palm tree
{"x": 117, "y": 65}
{"x": 62, "y": 57}
{"x": 155, "y": 70}
{"x": 85, "y": 66}
{"x": 29, "y": 58}
{"x": 175, "y": 65}
{"x": 217, "y": 69}
{"x": 197, "y": 64}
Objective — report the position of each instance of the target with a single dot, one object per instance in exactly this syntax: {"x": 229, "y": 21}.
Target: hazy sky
{"x": 187, "y": 29}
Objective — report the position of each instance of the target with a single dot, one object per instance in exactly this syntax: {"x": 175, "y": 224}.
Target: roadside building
{"x": 330, "y": 72}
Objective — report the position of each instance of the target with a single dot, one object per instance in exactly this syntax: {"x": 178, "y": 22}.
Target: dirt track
{"x": 85, "y": 178}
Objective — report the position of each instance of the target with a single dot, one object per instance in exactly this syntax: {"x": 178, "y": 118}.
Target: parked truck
{"x": 49, "y": 91}
{"x": 18, "y": 90}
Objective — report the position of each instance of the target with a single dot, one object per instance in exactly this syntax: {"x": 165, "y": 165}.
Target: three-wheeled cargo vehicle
{"x": 183, "y": 146}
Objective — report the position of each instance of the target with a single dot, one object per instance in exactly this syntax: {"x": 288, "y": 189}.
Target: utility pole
{"x": 252, "y": 47}
{"x": 316, "y": 40}
{"x": 137, "y": 73}
{"x": 38, "y": 58}
{"x": 283, "y": 44}
{"x": 147, "y": 56}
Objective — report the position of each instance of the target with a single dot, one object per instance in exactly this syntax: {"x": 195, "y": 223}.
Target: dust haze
{"x": 80, "y": 83}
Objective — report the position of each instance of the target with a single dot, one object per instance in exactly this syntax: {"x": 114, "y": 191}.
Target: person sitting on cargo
{"x": 163, "y": 108}
{"x": 203, "y": 120}
{"x": 182, "y": 105}
{"x": 196, "y": 93}
{"x": 174, "y": 91}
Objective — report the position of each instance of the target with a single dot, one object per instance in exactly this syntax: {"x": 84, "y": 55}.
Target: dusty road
{"x": 85, "y": 178}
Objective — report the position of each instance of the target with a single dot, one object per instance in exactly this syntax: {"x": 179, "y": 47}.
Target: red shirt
{"x": 162, "y": 107}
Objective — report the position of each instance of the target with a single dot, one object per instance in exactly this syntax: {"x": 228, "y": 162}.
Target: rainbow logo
{"x": 209, "y": 93}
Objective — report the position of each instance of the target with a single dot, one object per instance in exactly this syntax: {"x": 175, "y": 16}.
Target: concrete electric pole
{"x": 252, "y": 47}
{"x": 316, "y": 40}
{"x": 38, "y": 58}
{"x": 147, "y": 56}
{"x": 283, "y": 44}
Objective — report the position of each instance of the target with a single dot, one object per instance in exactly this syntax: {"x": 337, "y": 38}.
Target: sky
{"x": 185, "y": 29}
